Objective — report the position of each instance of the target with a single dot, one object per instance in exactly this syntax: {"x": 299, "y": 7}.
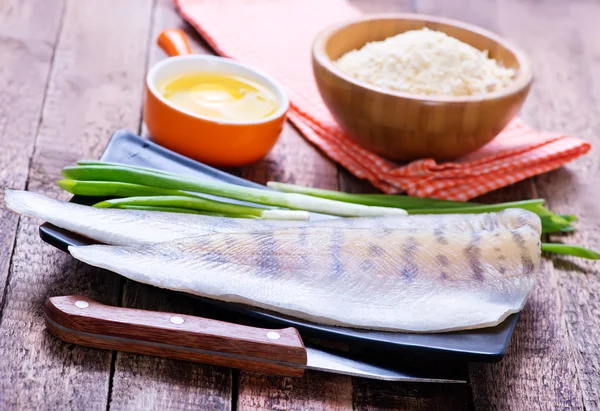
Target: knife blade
{"x": 80, "y": 320}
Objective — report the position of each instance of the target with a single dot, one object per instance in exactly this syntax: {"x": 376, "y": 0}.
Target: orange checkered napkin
{"x": 276, "y": 35}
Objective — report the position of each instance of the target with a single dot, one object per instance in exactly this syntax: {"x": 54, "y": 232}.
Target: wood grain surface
{"x": 94, "y": 87}
{"x": 71, "y": 72}
{"x": 25, "y": 61}
{"x": 568, "y": 67}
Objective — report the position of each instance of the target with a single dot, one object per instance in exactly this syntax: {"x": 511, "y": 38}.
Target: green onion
{"x": 204, "y": 204}
{"x": 179, "y": 210}
{"x": 484, "y": 208}
{"x": 109, "y": 164}
{"x": 573, "y": 250}
{"x": 126, "y": 174}
{"x": 115, "y": 189}
{"x": 551, "y": 223}
{"x": 381, "y": 200}
{"x": 414, "y": 205}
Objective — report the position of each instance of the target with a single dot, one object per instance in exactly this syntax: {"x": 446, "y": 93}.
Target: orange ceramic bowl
{"x": 211, "y": 141}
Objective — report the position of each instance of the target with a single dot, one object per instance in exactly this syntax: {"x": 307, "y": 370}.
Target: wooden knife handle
{"x": 79, "y": 320}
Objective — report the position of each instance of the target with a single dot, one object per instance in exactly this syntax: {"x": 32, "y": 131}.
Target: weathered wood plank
{"x": 95, "y": 86}
{"x": 25, "y": 60}
{"x": 481, "y": 13}
{"x": 538, "y": 369}
{"x": 142, "y": 382}
{"x": 410, "y": 396}
{"x": 315, "y": 391}
{"x": 562, "y": 42}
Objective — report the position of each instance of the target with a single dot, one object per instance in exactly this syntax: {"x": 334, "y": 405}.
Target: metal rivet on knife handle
{"x": 176, "y": 320}
{"x": 82, "y": 304}
{"x": 272, "y": 335}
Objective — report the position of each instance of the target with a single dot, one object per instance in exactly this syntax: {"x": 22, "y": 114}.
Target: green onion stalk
{"x": 573, "y": 250}
{"x": 203, "y": 205}
{"x": 116, "y": 189}
{"x": 551, "y": 223}
{"x": 162, "y": 180}
{"x": 179, "y": 210}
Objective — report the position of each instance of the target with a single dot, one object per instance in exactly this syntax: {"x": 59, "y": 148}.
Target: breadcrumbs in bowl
{"x": 426, "y": 62}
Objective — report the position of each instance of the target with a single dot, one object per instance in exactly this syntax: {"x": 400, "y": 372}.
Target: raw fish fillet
{"x": 421, "y": 273}
{"x": 418, "y": 273}
{"x": 127, "y": 227}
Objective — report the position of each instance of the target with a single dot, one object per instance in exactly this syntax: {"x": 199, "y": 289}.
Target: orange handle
{"x": 174, "y": 42}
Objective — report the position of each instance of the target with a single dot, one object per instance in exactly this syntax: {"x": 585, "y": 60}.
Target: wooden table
{"x": 72, "y": 71}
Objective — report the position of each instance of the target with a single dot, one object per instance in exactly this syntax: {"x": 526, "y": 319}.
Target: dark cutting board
{"x": 484, "y": 345}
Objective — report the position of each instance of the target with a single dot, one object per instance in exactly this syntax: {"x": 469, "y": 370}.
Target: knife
{"x": 80, "y": 320}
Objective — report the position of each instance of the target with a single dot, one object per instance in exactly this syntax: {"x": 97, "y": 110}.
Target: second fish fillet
{"x": 425, "y": 274}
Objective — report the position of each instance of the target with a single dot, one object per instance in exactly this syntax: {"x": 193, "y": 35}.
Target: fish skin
{"x": 388, "y": 274}
{"x": 126, "y": 227}
{"x": 129, "y": 227}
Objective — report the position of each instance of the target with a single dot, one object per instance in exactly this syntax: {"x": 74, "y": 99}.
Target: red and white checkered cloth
{"x": 276, "y": 35}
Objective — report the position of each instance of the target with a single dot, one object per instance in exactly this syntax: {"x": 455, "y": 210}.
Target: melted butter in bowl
{"x": 213, "y": 109}
{"x": 220, "y": 96}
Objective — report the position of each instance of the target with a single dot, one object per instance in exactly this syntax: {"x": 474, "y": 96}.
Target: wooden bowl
{"x": 402, "y": 126}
